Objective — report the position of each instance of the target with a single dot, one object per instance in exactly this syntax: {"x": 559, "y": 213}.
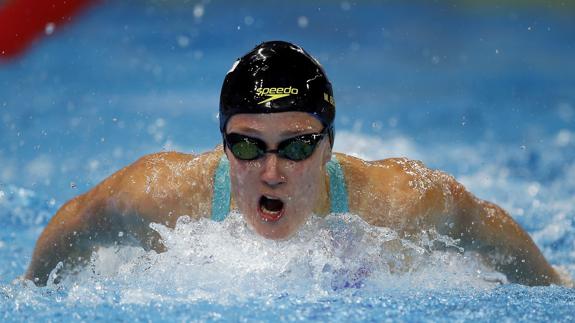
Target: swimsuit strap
{"x": 222, "y": 189}
{"x": 337, "y": 187}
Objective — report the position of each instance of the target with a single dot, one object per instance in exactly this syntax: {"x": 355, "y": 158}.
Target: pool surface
{"x": 483, "y": 92}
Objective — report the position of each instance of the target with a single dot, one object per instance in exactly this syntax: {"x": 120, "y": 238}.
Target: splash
{"x": 225, "y": 262}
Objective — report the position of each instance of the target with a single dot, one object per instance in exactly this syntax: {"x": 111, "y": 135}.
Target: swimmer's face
{"x": 274, "y": 194}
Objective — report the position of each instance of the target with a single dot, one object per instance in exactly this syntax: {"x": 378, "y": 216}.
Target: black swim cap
{"x": 277, "y": 76}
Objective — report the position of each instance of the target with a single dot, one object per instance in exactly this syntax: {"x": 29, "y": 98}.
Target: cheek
{"x": 305, "y": 179}
{"x": 244, "y": 179}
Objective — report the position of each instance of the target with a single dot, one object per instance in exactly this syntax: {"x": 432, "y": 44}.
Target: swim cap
{"x": 277, "y": 76}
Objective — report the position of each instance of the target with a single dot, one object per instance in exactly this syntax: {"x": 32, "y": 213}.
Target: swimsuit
{"x": 222, "y": 189}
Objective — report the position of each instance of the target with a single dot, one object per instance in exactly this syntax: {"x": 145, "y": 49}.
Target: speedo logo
{"x": 274, "y": 93}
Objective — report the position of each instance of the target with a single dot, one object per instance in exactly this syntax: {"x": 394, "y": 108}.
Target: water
{"x": 484, "y": 93}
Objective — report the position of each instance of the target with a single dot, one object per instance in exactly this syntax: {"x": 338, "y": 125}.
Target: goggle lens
{"x": 296, "y": 148}
{"x": 245, "y": 149}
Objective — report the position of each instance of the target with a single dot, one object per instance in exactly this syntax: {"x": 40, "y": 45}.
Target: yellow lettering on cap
{"x": 274, "y": 93}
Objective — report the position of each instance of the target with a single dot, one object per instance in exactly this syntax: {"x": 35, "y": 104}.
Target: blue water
{"x": 484, "y": 93}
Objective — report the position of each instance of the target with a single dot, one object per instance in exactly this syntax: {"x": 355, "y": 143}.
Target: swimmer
{"x": 276, "y": 167}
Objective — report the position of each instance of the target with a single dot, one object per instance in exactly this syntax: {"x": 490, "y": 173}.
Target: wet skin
{"x": 397, "y": 193}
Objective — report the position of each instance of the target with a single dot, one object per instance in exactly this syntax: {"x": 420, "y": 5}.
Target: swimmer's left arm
{"x": 487, "y": 228}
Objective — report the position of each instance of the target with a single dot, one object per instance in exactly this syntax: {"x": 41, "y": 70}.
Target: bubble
{"x": 118, "y": 152}
{"x": 49, "y": 28}
{"x": 564, "y": 138}
{"x": 345, "y": 6}
{"x": 199, "y": 11}
{"x": 93, "y": 165}
{"x": 533, "y": 189}
{"x": 160, "y": 122}
{"x": 248, "y": 20}
{"x": 198, "y": 54}
{"x": 183, "y": 41}
{"x": 302, "y": 21}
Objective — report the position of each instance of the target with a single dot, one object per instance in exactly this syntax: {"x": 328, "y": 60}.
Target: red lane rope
{"x": 23, "y": 21}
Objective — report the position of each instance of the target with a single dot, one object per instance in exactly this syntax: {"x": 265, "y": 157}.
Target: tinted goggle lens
{"x": 245, "y": 149}
{"x": 297, "y": 148}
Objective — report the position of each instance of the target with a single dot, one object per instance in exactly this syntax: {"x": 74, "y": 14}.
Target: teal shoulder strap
{"x": 222, "y": 190}
{"x": 221, "y": 198}
{"x": 337, "y": 188}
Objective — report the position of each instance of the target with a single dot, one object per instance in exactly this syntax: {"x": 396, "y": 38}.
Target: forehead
{"x": 293, "y": 122}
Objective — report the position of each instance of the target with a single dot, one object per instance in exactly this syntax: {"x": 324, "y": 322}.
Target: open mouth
{"x": 271, "y": 209}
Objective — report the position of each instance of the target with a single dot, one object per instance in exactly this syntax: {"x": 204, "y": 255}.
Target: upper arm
{"x": 156, "y": 188}
{"x": 409, "y": 197}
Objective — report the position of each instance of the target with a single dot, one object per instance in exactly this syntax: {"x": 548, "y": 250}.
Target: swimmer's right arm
{"x": 120, "y": 208}
{"x": 66, "y": 238}
{"x": 83, "y": 224}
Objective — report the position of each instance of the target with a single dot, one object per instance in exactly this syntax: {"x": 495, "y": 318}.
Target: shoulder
{"x": 393, "y": 191}
{"x": 164, "y": 185}
{"x": 401, "y": 173}
{"x": 175, "y": 165}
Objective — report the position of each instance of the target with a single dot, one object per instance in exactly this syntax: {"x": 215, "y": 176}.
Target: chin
{"x": 280, "y": 229}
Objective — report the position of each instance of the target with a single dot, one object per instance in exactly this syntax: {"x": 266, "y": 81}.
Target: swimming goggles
{"x": 295, "y": 148}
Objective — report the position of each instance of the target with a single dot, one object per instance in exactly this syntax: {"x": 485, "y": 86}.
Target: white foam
{"x": 225, "y": 261}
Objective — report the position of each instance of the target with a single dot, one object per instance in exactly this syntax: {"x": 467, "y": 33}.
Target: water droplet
{"x": 248, "y": 20}
{"x": 49, "y": 29}
{"x": 183, "y": 41}
{"x": 302, "y": 21}
{"x": 199, "y": 11}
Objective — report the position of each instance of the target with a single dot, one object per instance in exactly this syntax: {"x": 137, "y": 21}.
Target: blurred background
{"x": 87, "y": 87}
{"x": 484, "y": 90}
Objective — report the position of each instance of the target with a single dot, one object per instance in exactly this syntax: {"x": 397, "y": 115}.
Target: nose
{"x": 271, "y": 174}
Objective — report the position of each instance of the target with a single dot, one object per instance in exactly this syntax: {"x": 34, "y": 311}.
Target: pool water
{"x": 482, "y": 92}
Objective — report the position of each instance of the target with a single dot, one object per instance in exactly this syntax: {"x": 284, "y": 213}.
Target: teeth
{"x": 269, "y": 211}
{"x": 275, "y": 203}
